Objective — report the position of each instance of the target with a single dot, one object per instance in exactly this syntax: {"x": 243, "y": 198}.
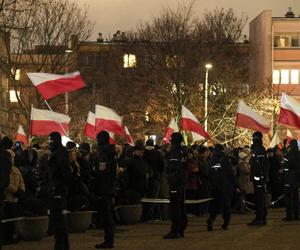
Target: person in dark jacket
{"x": 176, "y": 176}
{"x": 223, "y": 184}
{"x": 5, "y": 168}
{"x": 105, "y": 174}
{"x": 291, "y": 182}
{"x": 155, "y": 163}
{"x": 259, "y": 175}
{"x": 59, "y": 179}
{"x": 136, "y": 172}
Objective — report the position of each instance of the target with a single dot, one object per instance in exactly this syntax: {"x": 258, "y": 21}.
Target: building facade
{"x": 275, "y": 52}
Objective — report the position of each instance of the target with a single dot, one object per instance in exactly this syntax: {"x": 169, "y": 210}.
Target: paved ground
{"x": 277, "y": 235}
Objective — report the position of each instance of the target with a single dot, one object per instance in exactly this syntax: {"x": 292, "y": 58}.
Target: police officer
{"x": 259, "y": 177}
{"x": 223, "y": 184}
{"x": 176, "y": 175}
{"x": 105, "y": 174}
{"x": 59, "y": 180}
{"x": 291, "y": 174}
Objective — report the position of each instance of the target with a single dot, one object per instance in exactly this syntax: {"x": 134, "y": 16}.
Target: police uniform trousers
{"x": 292, "y": 202}
{"x": 260, "y": 203}
{"x": 106, "y": 208}
{"x": 178, "y": 211}
{"x": 59, "y": 222}
{"x": 221, "y": 202}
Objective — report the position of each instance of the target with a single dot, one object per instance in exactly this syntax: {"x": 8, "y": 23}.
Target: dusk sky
{"x": 112, "y": 15}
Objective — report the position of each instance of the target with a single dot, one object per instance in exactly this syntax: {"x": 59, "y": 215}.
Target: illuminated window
{"x": 129, "y": 61}
{"x": 284, "y": 75}
{"x": 13, "y": 95}
{"x": 294, "y": 76}
{"x": 16, "y": 73}
{"x": 276, "y": 76}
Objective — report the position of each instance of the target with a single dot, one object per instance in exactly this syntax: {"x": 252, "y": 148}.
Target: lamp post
{"x": 208, "y": 66}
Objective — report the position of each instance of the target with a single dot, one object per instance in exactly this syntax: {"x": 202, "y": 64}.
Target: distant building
{"x": 275, "y": 52}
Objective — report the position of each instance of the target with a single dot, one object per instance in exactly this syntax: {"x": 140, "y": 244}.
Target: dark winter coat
{"x": 177, "y": 167}
{"x": 292, "y": 167}
{"x": 5, "y": 168}
{"x": 60, "y": 173}
{"x": 221, "y": 174}
{"x": 259, "y": 165}
{"x": 155, "y": 162}
{"x": 136, "y": 177}
{"x": 105, "y": 170}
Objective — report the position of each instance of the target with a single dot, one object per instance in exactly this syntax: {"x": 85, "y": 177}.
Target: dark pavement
{"x": 277, "y": 235}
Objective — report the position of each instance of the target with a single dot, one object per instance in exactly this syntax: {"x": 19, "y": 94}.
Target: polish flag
{"x": 21, "y": 135}
{"x": 129, "y": 137}
{"x": 172, "y": 128}
{"x": 89, "y": 129}
{"x": 190, "y": 122}
{"x": 51, "y": 85}
{"x": 107, "y": 119}
{"x": 289, "y": 136}
{"x": 112, "y": 138}
{"x": 248, "y": 118}
{"x": 289, "y": 111}
{"x": 275, "y": 141}
{"x": 43, "y": 122}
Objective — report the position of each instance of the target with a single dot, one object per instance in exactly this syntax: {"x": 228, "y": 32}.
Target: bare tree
{"x": 37, "y": 35}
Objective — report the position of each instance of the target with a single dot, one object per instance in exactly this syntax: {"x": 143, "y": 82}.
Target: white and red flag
{"x": 89, "y": 128}
{"x": 128, "y": 137}
{"x": 275, "y": 141}
{"x": 112, "y": 138}
{"x": 289, "y": 111}
{"x": 21, "y": 135}
{"x": 43, "y": 122}
{"x": 107, "y": 119}
{"x": 51, "y": 85}
{"x": 248, "y": 118}
{"x": 172, "y": 128}
{"x": 289, "y": 136}
{"x": 190, "y": 122}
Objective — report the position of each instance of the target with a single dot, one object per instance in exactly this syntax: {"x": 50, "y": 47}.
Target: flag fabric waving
{"x": 290, "y": 136}
{"x": 51, "y": 85}
{"x": 112, "y": 138}
{"x": 190, "y": 122}
{"x": 128, "y": 137}
{"x": 107, "y": 119}
{"x": 89, "y": 129}
{"x": 289, "y": 111}
{"x": 43, "y": 122}
{"x": 275, "y": 141}
{"x": 21, "y": 135}
{"x": 172, "y": 128}
{"x": 248, "y": 118}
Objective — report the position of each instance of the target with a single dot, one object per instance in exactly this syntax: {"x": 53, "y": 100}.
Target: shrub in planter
{"x": 34, "y": 224}
{"x": 129, "y": 209}
{"x": 79, "y": 218}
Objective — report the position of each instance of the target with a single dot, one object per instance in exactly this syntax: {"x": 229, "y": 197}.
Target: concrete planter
{"x": 32, "y": 228}
{"x": 79, "y": 221}
{"x": 130, "y": 214}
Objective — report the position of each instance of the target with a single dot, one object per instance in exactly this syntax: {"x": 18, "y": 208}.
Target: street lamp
{"x": 208, "y": 66}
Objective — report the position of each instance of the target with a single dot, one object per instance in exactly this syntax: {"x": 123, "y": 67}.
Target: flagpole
{"x": 233, "y": 136}
{"x": 56, "y": 121}
{"x": 29, "y": 129}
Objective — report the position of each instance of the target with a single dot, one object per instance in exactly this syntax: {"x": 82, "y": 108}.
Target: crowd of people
{"x": 77, "y": 177}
